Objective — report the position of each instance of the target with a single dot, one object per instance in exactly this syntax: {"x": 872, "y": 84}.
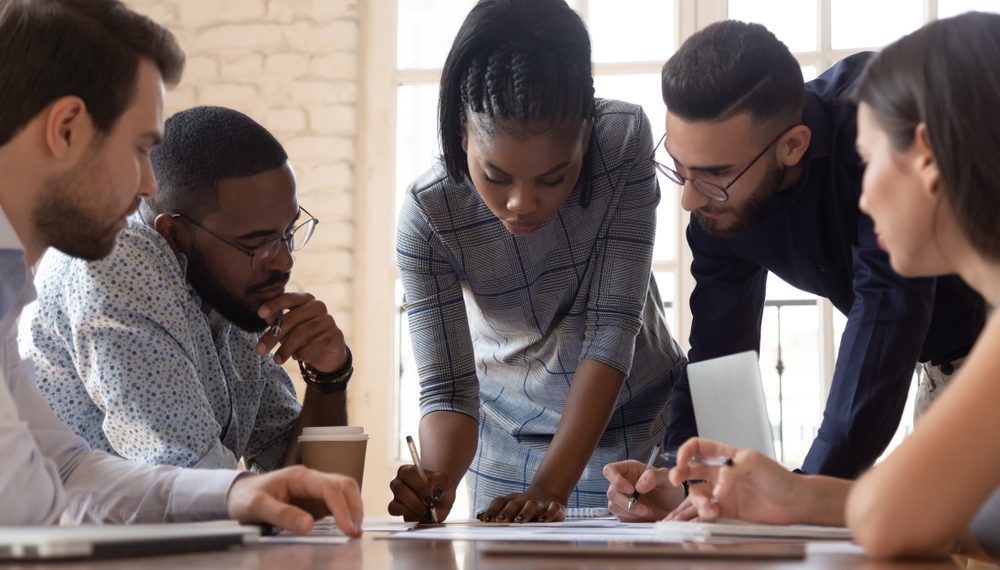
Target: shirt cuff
{"x": 614, "y": 347}
{"x": 201, "y": 494}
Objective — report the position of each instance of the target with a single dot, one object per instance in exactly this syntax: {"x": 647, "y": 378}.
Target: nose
{"x": 692, "y": 199}
{"x": 522, "y": 201}
{"x": 282, "y": 260}
{"x": 147, "y": 181}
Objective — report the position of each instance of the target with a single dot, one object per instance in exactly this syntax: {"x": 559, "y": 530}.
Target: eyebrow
{"x": 552, "y": 170}
{"x": 266, "y": 233}
{"x": 708, "y": 168}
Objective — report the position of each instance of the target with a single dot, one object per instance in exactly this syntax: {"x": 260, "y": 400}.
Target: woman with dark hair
{"x": 542, "y": 212}
{"x": 929, "y": 134}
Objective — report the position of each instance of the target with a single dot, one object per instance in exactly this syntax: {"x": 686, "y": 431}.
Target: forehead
{"x": 144, "y": 114}
{"x": 263, "y": 201}
{"x": 711, "y": 142}
{"x": 513, "y": 145}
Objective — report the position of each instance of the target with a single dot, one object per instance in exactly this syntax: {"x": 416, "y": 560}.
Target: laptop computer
{"x": 117, "y": 541}
{"x": 729, "y": 403}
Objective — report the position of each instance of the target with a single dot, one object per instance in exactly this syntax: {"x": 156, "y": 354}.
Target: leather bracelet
{"x": 688, "y": 482}
{"x": 329, "y": 382}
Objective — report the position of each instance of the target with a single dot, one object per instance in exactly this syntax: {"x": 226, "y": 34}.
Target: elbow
{"x": 886, "y": 532}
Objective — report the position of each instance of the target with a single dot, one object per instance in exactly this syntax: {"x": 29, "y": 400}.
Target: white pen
{"x": 708, "y": 460}
{"x": 649, "y": 465}
{"x": 420, "y": 470}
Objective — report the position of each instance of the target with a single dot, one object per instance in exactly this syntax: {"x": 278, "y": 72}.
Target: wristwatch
{"x": 329, "y": 382}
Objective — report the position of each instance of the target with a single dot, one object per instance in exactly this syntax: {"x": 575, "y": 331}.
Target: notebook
{"x": 95, "y": 541}
{"x": 729, "y": 406}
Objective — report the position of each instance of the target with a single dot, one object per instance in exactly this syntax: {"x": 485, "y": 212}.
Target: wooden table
{"x": 373, "y": 551}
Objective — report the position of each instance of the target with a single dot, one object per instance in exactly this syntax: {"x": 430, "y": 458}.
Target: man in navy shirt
{"x": 771, "y": 177}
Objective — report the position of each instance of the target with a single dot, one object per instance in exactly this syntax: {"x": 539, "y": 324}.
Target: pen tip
{"x": 409, "y": 439}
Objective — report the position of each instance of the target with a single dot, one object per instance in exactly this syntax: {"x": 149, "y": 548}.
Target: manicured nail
{"x": 279, "y": 359}
{"x": 480, "y": 516}
{"x": 437, "y": 494}
{"x": 501, "y": 517}
{"x": 542, "y": 518}
{"x": 519, "y": 519}
{"x": 261, "y": 350}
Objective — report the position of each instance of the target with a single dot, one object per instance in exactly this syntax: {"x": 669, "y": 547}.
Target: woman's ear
{"x": 793, "y": 145}
{"x": 174, "y": 231}
{"x": 923, "y": 161}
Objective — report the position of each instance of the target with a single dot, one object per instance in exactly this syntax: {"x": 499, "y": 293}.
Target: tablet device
{"x": 729, "y": 405}
{"x": 114, "y": 541}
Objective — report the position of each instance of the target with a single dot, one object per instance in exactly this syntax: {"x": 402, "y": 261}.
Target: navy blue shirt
{"x": 813, "y": 236}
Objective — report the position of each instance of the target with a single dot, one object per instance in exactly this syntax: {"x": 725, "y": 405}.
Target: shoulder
{"x": 433, "y": 199}
{"x": 621, "y": 125}
{"x": 839, "y": 81}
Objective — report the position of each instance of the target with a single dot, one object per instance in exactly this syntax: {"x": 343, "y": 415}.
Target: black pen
{"x": 420, "y": 470}
{"x": 649, "y": 465}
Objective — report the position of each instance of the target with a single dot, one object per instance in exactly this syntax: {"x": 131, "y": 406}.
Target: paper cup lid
{"x": 340, "y": 437}
{"x": 333, "y": 430}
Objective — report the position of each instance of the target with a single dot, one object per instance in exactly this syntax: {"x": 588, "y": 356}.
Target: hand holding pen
{"x": 420, "y": 495}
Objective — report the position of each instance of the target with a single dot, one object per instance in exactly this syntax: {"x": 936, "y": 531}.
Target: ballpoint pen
{"x": 708, "y": 460}
{"x": 420, "y": 470}
{"x": 649, "y": 465}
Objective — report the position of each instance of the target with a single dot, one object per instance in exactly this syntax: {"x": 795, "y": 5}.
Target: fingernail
{"x": 716, "y": 489}
{"x": 542, "y": 518}
{"x": 279, "y": 359}
{"x": 480, "y": 516}
{"x": 501, "y": 517}
{"x": 437, "y": 494}
{"x": 261, "y": 350}
{"x": 304, "y": 523}
{"x": 428, "y": 502}
{"x": 518, "y": 519}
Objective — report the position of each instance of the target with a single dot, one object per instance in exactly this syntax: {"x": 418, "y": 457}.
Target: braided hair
{"x": 521, "y": 61}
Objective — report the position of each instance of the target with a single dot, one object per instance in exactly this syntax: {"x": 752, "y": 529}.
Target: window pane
{"x": 948, "y": 8}
{"x": 632, "y": 30}
{"x": 668, "y": 294}
{"x": 425, "y": 30}
{"x": 793, "y": 21}
{"x": 417, "y": 145}
{"x": 644, "y": 90}
{"x": 809, "y": 72}
{"x": 866, "y": 24}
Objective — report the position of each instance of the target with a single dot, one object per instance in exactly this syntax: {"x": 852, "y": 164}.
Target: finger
{"x": 406, "y": 496}
{"x": 326, "y": 351}
{"x": 343, "y": 497}
{"x": 270, "y": 309}
{"x": 439, "y": 484}
{"x": 706, "y": 505}
{"x": 621, "y": 475}
{"x": 509, "y": 511}
{"x": 410, "y": 476}
{"x": 296, "y": 339}
{"x": 281, "y": 514}
{"x": 398, "y": 509}
{"x": 496, "y": 505}
{"x": 684, "y": 511}
{"x": 698, "y": 446}
{"x": 554, "y": 513}
{"x": 527, "y": 512}
{"x": 652, "y": 479}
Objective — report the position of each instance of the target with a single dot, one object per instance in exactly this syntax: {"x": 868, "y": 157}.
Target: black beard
{"x": 232, "y": 308}
{"x": 752, "y": 209}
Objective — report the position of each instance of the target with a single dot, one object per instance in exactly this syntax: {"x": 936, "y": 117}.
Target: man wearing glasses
{"x": 168, "y": 351}
{"x": 772, "y": 180}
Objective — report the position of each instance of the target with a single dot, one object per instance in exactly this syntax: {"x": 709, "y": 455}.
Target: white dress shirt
{"x": 47, "y": 471}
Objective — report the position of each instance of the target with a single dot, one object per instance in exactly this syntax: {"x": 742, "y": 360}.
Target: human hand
{"x": 532, "y": 505}
{"x": 657, "y": 495}
{"x": 308, "y": 332}
{"x": 280, "y": 498}
{"x": 754, "y": 488}
{"x": 412, "y": 498}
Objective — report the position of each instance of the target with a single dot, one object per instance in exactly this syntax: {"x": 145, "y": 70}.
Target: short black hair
{"x": 202, "y": 146}
{"x": 732, "y": 67}
{"x": 90, "y": 49}
{"x": 526, "y": 61}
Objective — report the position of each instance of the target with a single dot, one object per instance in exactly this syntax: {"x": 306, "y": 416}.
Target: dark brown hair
{"x": 732, "y": 67}
{"x": 85, "y": 48}
{"x": 945, "y": 75}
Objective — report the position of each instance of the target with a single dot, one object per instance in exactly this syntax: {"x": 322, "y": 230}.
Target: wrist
{"x": 328, "y": 382}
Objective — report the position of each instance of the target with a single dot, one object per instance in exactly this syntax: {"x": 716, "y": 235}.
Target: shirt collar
{"x": 8, "y": 237}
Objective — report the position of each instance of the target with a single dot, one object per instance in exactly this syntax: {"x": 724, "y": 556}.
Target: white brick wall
{"x": 292, "y": 65}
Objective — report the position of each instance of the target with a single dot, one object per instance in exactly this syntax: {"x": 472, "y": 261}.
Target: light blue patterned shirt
{"x": 500, "y": 322}
{"x": 128, "y": 359}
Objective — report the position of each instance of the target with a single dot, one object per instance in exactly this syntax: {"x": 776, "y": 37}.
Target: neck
{"x": 981, "y": 274}
{"x": 19, "y": 187}
{"x": 792, "y": 175}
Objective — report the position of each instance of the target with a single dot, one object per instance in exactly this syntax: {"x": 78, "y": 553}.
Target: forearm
{"x": 588, "y": 409}
{"x": 318, "y": 409}
{"x": 821, "y": 500}
{"x": 448, "y": 442}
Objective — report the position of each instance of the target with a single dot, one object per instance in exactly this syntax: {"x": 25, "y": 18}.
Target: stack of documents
{"x": 724, "y": 528}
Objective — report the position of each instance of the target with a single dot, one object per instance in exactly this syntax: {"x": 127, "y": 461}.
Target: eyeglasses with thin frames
{"x": 295, "y": 240}
{"x": 704, "y": 187}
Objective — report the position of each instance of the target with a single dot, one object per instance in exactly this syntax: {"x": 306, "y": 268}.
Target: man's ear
{"x": 68, "y": 128}
{"x": 175, "y": 231}
{"x": 923, "y": 161}
{"x": 792, "y": 146}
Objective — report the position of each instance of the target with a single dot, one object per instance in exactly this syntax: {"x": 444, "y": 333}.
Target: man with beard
{"x": 772, "y": 179}
{"x": 81, "y": 106}
{"x": 160, "y": 352}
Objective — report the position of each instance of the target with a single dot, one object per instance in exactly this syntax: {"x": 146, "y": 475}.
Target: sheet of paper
{"x": 535, "y": 532}
{"x": 304, "y": 539}
{"x": 728, "y": 528}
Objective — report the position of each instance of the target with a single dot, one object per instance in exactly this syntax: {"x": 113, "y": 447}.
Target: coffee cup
{"x": 335, "y": 449}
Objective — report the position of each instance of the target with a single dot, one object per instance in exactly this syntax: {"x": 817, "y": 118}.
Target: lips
{"x": 521, "y": 228}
